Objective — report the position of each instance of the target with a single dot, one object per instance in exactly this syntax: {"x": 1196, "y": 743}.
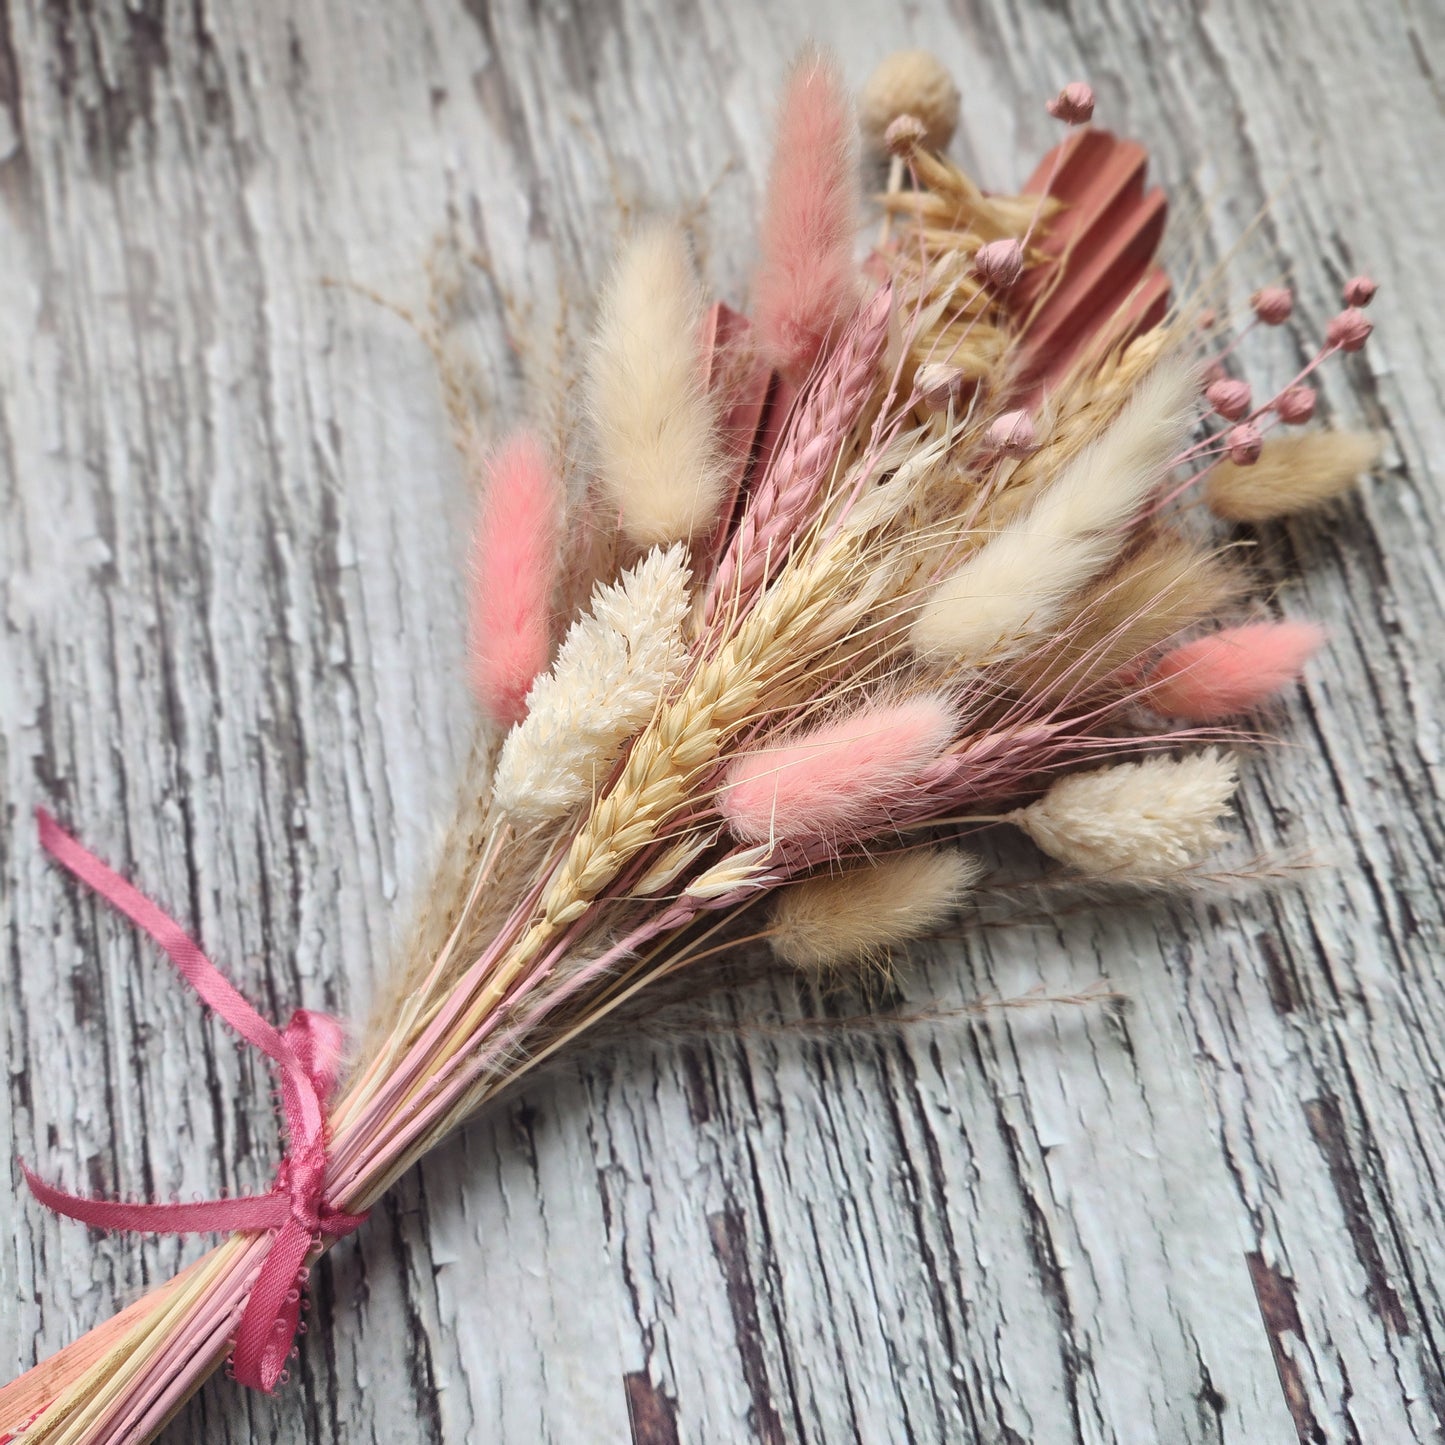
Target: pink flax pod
{"x": 1013, "y": 434}
{"x": 513, "y": 571}
{"x": 1360, "y": 290}
{"x": 1231, "y": 672}
{"x": 1000, "y": 263}
{"x": 837, "y": 781}
{"x": 1074, "y": 104}
{"x": 1349, "y": 330}
{"x": 1243, "y": 444}
{"x": 1273, "y": 304}
{"x": 1231, "y": 399}
{"x": 806, "y": 284}
{"x": 1295, "y": 405}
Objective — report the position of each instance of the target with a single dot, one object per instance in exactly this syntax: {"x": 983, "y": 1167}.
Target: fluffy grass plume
{"x": 806, "y": 283}
{"x": 1232, "y": 671}
{"x": 1293, "y": 473}
{"x": 1017, "y": 584}
{"x": 1158, "y": 591}
{"x": 832, "y": 781}
{"x": 611, "y": 669}
{"x": 658, "y": 457}
{"x": 513, "y": 572}
{"x": 836, "y": 919}
{"x": 1143, "y": 821}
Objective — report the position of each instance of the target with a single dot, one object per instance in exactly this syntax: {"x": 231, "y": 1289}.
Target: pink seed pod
{"x": 1231, "y": 399}
{"x": 1012, "y": 434}
{"x": 1273, "y": 304}
{"x": 905, "y": 133}
{"x": 937, "y": 384}
{"x": 1074, "y": 104}
{"x": 1231, "y": 672}
{"x": 1243, "y": 444}
{"x": 1000, "y": 263}
{"x": 1295, "y": 405}
{"x": 1207, "y": 319}
{"x": 1360, "y": 290}
{"x": 1349, "y": 330}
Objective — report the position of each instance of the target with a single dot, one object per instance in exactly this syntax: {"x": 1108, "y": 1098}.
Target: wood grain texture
{"x": 231, "y": 656}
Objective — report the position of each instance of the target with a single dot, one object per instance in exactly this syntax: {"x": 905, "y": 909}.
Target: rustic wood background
{"x": 231, "y": 658}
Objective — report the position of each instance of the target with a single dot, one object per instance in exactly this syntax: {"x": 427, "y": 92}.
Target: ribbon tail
{"x": 273, "y": 1310}
{"x": 207, "y": 1216}
{"x": 192, "y": 964}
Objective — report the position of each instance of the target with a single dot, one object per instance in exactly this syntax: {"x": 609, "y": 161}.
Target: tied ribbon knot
{"x": 296, "y": 1210}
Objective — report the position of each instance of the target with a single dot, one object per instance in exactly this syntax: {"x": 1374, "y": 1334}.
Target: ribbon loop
{"x": 296, "y": 1210}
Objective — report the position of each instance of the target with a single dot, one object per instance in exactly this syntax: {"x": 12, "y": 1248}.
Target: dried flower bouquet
{"x": 911, "y": 553}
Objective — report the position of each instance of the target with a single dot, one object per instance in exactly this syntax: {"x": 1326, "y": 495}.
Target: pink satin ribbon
{"x": 296, "y": 1210}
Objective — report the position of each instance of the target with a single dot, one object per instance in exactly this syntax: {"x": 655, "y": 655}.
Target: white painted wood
{"x": 230, "y": 656}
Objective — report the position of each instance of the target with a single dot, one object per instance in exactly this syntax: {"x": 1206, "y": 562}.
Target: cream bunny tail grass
{"x": 840, "y": 918}
{"x": 1017, "y": 585}
{"x": 1293, "y": 473}
{"x": 1140, "y": 822}
{"x": 653, "y": 420}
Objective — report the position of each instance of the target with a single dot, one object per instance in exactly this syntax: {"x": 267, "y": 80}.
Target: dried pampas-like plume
{"x": 513, "y": 572}
{"x": 859, "y": 914}
{"x": 1016, "y": 585}
{"x": 1232, "y": 671}
{"x": 611, "y": 669}
{"x": 658, "y": 456}
{"x": 1293, "y": 473}
{"x": 830, "y": 782}
{"x": 1141, "y": 821}
{"x": 807, "y": 283}
{"x": 1154, "y": 594}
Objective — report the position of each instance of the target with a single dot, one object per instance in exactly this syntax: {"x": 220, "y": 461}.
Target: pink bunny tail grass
{"x": 838, "y": 781}
{"x": 513, "y": 572}
{"x": 807, "y": 283}
{"x": 1232, "y": 671}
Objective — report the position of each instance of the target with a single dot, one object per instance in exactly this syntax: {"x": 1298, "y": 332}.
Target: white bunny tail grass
{"x": 842, "y": 918}
{"x": 1138, "y": 822}
{"x": 613, "y": 666}
{"x": 658, "y": 456}
{"x": 1016, "y": 586}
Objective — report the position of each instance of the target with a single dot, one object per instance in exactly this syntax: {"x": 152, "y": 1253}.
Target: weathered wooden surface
{"x": 231, "y": 657}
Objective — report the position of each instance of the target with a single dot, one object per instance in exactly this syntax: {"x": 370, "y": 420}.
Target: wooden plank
{"x": 231, "y": 656}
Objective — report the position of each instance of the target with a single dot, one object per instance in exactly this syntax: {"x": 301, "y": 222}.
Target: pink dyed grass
{"x": 513, "y": 572}
{"x": 1231, "y": 672}
{"x": 807, "y": 283}
{"x": 838, "y": 780}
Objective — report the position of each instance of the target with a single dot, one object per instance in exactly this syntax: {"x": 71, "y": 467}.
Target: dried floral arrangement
{"x": 910, "y": 552}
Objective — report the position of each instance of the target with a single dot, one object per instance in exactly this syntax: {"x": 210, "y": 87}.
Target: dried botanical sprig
{"x": 513, "y": 573}
{"x": 659, "y": 459}
{"x": 1291, "y": 474}
{"x": 610, "y": 674}
{"x": 940, "y": 574}
{"x": 806, "y": 283}
{"x": 837, "y": 781}
{"x": 910, "y": 83}
{"x": 862, "y": 912}
{"x": 1139, "y": 822}
{"x": 1232, "y": 671}
{"x": 1017, "y": 584}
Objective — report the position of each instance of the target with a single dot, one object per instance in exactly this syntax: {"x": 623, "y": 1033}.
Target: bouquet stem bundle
{"x": 911, "y": 555}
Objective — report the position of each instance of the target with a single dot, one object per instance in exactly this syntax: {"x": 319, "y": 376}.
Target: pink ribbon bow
{"x": 296, "y": 1210}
